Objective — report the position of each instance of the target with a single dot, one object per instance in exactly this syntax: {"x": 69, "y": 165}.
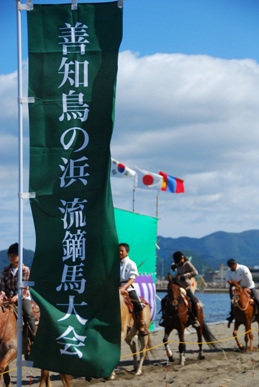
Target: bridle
{"x": 236, "y": 297}
{"x": 174, "y": 301}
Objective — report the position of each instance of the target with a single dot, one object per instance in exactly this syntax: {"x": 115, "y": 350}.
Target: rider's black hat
{"x": 13, "y": 249}
{"x": 178, "y": 256}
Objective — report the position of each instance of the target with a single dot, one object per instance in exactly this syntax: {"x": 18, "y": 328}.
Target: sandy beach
{"x": 223, "y": 367}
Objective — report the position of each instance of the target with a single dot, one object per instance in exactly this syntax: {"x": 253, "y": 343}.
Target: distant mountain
{"x": 212, "y": 250}
{"x": 207, "y": 252}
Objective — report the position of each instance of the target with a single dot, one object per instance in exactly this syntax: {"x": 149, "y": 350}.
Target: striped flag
{"x": 146, "y": 288}
{"x": 171, "y": 184}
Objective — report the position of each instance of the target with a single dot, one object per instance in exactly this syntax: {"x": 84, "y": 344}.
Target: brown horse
{"x": 45, "y": 379}
{"x": 177, "y": 317}
{"x": 129, "y": 328}
{"x": 8, "y": 339}
{"x": 8, "y": 345}
{"x": 244, "y": 313}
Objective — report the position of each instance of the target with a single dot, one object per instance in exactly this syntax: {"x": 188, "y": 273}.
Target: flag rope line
{"x": 188, "y": 342}
{"x": 167, "y": 342}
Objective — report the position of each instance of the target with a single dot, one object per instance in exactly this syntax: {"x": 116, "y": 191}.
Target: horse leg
{"x": 249, "y": 335}
{"x": 236, "y": 326}
{"x": 7, "y": 359}
{"x": 181, "y": 346}
{"x": 65, "y": 380}
{"x": 45, "y": 379}
{"x": 199, "y": 336}
{"x": 7, "y": 378}
{"x": 130, "y": 340}
{"x": 169, "y": 353}
{"x": 143, "y": 351}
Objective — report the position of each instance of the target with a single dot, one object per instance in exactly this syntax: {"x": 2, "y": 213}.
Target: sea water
{"x": 216, "y": 306}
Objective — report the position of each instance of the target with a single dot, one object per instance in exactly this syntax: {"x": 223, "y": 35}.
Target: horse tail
{"x": 209, "y": 337}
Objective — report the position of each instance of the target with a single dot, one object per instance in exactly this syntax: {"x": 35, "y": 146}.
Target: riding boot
{"x": 142, "y": 329}
{"x": 231, "y": 317}
{"x": 162, "y": 319}
{"x": 195, "y": 322}
{"x": 256, "y": 299}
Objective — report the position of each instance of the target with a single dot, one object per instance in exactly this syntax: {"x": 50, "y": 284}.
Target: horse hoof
{"x": 202, "y": 357}
{"x": 171, "y": 359}
{"x": 138, "y": 373}
{"x": 112, "y": 376}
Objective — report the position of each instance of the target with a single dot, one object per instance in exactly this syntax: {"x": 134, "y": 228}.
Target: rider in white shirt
{"x": 128, "y": 273}
{"x": 241, "y": 273}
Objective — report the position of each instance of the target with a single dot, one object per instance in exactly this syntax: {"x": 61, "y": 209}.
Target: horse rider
{"x": 128, "y": 273}
{"x": 9, "y": 287}
{"x": 241, "y": 273}
{"x": 185, "y": 271}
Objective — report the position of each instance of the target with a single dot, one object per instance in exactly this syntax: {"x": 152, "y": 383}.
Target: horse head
{"x": 174, "y": 294}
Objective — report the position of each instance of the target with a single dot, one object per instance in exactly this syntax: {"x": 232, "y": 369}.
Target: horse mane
{"x": 6, "y": 304}
{"x": 175, "y": 281}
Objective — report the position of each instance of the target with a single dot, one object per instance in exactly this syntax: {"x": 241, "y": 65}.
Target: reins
{"x": 237, "y": 302}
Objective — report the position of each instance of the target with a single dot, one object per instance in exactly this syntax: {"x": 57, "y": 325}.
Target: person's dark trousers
{"x": 194, "y": 302}
{"x": 255, "y": 296}
{"x": 28, "y": 315}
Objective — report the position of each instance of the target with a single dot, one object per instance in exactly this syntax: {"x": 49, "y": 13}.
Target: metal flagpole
{"x": 20, "y": 145}
{"x": 21, "y": 7}
{"x": 134, "y": 198}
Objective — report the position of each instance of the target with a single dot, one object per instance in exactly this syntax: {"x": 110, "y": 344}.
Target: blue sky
{"x": 221, "y": 28}
{"x": 187, "y": 104}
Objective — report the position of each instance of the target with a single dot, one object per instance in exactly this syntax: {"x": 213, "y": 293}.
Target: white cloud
{"x": 194, "y": 117}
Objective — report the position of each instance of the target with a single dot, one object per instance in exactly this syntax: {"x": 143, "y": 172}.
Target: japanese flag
{"x": 149, "y": 180}
{"x": 120, "y": 170}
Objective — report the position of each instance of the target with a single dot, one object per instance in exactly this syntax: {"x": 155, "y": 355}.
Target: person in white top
{"x": 241, "y": 273}
{"x": 128, "y": 273}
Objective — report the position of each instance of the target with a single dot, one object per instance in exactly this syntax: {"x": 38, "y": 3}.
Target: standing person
{"x": 241, "y": 273}
{"x": 128, "y": 273}
{"x": 185, "y": 271}
{"x": 9, "y": 285}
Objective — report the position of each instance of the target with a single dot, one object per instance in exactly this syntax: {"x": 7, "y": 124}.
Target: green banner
{"x": 72, "y": 76}
{"x": 140, "y": 232}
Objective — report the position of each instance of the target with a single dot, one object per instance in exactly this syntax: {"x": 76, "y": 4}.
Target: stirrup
{"x": 143, "y": 332}
{"x": 162, "y": 322}
{"x": 195, "y": 323}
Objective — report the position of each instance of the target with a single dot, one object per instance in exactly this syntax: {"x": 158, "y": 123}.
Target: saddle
{"x": 129, "y": 302}
{"x": 185, "y": 297}
{"x": 6, "y": 304}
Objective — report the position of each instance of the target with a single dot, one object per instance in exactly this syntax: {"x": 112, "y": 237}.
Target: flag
{"x": 171, "y": 184}
{"x": 72, "y": 76}
{"x": 146, "y": 288}
{"x": 145, "y": 179}
{"x": 120, "y": 170}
